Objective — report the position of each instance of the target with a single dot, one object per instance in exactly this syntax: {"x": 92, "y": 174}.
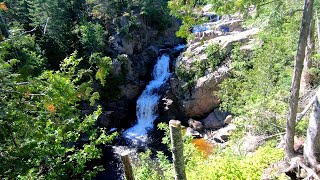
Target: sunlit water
{"x": 147, "y": 103}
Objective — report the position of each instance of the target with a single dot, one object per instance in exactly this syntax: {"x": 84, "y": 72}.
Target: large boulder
{"x": 249, "y": 144}
{"x": 223, "y": 134}
{"x": 215, "y": 120}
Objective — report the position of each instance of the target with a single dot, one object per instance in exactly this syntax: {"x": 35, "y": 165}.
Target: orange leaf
{"x": 3, "y": 6}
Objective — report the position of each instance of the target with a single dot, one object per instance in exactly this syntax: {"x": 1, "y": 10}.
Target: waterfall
{"x": 147, "y": 103}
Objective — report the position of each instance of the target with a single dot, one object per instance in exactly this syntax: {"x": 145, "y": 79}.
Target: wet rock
{"x": 195, "y": 125}
{"x": 167, "y": 102}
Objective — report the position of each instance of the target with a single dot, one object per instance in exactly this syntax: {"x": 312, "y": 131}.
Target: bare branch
{"x": 300, "y": 115}
{"x": 23, "y": 83}
{"x": 45, "y": 27}
{"x": 271, "y": 136}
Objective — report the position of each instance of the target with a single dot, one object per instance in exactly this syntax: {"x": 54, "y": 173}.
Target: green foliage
{"x": 130, "y": 24}
{"x": 103, "y": 66}
{"x": 92, "y": 36}
{"x": 60, "y": 26}
{"x": 147, "y": 168}
{"x": 199, "y": 68}
{"x": 215, "y": 55}
{"x": 223, "y": 164}
{"x": 228, "y": 165}
{"x": 315, "y": 69}
{"x": 46, "y": 129}
{"x": 260, "y": 81}
{"x": 156, "y": 14}
{"x": 188, "y": 12}
{"x": 24, "y": 50}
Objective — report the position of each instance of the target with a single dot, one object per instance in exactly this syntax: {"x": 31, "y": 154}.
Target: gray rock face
{"x": 249, "y": 143}
{"x": 141, "y": 51}
{"x": 223, "y": 134}
{"x": 215, "y": 120}
{"x": 200, "y": 99}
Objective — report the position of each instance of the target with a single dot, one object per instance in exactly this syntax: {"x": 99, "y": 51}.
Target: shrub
{"x": 199, "y": 67}
{"x": 223, "y": 164}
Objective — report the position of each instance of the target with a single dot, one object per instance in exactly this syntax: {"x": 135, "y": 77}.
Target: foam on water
{"x": 179, "y": 47}
{"x": 147, "y": 103}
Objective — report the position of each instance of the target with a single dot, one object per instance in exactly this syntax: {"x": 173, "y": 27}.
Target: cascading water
{"x": 147, "y": 104}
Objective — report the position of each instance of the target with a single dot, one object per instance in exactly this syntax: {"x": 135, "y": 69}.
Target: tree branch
{"x": 271, "y": 136}
{"x": 45, "y": 27}
{"x": 300, "y": 115}
{"x": 293, "y": 12}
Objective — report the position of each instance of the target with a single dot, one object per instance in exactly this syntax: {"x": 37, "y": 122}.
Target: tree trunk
{"x": 318, "y": 27}
{"x": 312, "y": 144}
{"x": 177, "y": 150}
{"x": 295, "y": 86}
{"x": 306, "y": 79}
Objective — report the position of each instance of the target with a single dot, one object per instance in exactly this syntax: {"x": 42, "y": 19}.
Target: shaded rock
{"x": 104, "y": 119}
{"x": 196, "y": 125}
{"x": 116, "y": 67}
{"x": 229, "y": 26}
{"x": 130, "y": 91}
{"x": 215, "y": 119}
{"x": 191, "y": 132}
{"x": 169, "y": 108}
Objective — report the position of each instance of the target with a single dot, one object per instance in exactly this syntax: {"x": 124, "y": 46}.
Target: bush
{"x": 199, "y": 67}
{"x": 215, "y": 55}
{"x": 259, "y": 84}
{"x": 223, "y": 164}
{"x": 45, "y": 129}
{"x": 24, "y": 50}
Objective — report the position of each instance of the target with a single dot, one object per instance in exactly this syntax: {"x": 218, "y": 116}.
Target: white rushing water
{"x": 147, "y": 103}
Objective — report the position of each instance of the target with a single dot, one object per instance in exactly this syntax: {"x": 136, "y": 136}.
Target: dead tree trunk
{"x": 295, "y": 86}
{"x": 318, "y": 27}
{"x": 177, "y": 150}
{"x": 306, "y": 79}
{"x": 312, "y": 143}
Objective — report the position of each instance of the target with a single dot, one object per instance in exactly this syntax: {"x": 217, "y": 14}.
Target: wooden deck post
{"x": 177, "y": 149}
{"x": 127, "y": 166}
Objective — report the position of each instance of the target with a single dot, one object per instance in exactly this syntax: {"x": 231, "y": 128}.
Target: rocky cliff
{"x": 134, "y": 55}
{"x": 197, "y": 97}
